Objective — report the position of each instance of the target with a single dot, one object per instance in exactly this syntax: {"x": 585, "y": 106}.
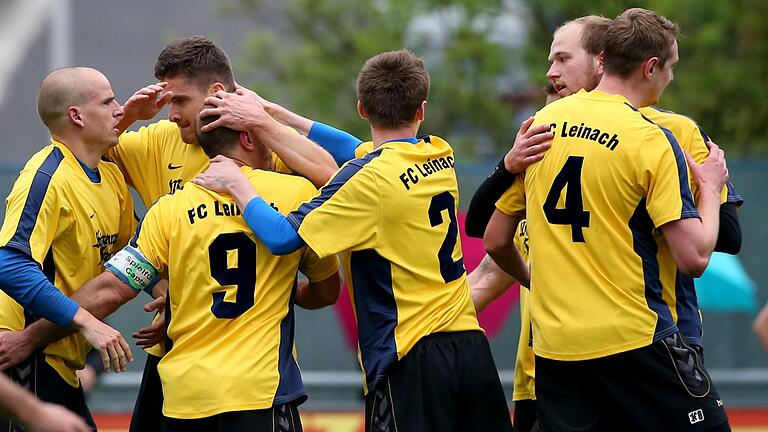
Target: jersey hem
{"x": 186, "y": 415}
{"x": 552, "y": 355}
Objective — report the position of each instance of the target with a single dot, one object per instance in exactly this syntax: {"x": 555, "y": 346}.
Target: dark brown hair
{"x": 635, "y": 36}
{"x": 391, "y": 87}
{"x": 218, "y": 141}
{"x": 197, "y": 59}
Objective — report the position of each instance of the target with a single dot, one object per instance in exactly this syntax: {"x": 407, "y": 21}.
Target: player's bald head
{"x": 62, "y": 89}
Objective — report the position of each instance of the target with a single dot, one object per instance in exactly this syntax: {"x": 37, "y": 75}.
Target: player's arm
{"x": 144, "y": 104}
{"x": 760, "y": 327}
{"x": 529, "y": 147}
{"x": 692, "y": 240}
{"x": 242, "y": 111}
{"x": 316, "y": 295}
{"x": 36, "y": 415}
{"x": 487, "y": 283}
{"x": 499, "y": 242}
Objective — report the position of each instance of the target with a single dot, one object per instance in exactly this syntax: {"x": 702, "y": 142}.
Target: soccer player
{"x": 67, "y": 213}
{"x": 230, "y": 363}
{"x": 427, "y": 364}
{"x": 35, "y": 415}
{"x": 608, "y": 351}
{"x": 160, "y": 158}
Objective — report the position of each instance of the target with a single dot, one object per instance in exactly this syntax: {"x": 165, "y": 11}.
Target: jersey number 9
{"x": 244, "y": 275}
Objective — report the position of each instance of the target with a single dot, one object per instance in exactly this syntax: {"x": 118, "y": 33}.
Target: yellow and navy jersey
{"x": 693, "y": 140}
{"x": 394, "y": 210}
{"x": 525, "y": 362}
{"x": 594, "y": 205}
{"x": 70, "y": 225}
{"x": 156, "y": 161}
{"x": 230, "y": 300}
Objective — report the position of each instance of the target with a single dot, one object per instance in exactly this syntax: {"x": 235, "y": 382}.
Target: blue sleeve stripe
{"x": 341, "y": 145}
{"x": 34, "y": 202}
{"x": 348, "y": 171}
{"x": 689, "y": 207}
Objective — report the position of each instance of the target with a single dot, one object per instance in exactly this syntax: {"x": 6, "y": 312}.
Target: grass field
{"x": 742, "y": 420}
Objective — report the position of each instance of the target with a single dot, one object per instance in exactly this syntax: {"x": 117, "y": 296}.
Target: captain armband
{"x": 130, "y": 266}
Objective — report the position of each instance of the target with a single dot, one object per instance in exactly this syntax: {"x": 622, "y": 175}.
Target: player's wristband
{"x": 130, "y": 266}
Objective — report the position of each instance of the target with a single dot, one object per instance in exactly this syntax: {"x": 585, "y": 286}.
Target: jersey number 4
{"x": 573, "y": 214}
{"x": 449, "y": 269}
{"x": 244, "y": 276}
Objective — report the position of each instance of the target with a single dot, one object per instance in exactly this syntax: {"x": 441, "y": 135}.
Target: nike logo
{"x": 91, "y": 216}
{"x": 173, "y": 167}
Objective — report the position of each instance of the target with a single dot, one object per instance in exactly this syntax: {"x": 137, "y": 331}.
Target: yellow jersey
{"x": 594, "y": 205}
{"x": 693, "y": 140}
{"x": 525, "y": 361}
{"x": 156, "y": 161}
{"x": 395, "y": 210}
{"x": 230, "y": 333}
{"x": 71, "y": 226}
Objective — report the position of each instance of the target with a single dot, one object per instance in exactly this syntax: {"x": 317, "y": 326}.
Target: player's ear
{"x": 421, "y": 111}
{"x": 361, "y": 111}
{"x": 246, "y": 142}
{"x": 649, "y": 66}
{"x": 216, "y": 87}
{"x": 599, "y": 66}
{"x": 75, "y": 116}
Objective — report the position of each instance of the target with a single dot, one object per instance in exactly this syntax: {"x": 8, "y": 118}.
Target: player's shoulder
{"x": 276, "y": 184}
{"x": 670, "y": 120}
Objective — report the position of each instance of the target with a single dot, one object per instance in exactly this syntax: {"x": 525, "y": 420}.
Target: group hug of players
{"x": 615, "y": 204}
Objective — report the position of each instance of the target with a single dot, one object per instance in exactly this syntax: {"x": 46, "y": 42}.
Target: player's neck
{"x": 255, "y": 160}
{"x": 89, "y": 154}
{"x": 382, "y": 135}
{"x": 632, "y": 89}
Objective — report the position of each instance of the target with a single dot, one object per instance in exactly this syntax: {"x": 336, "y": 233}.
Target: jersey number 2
{"x": 449, "y": 269}
{"x": 573, "y": 214}
{"x": 244, "y": 275}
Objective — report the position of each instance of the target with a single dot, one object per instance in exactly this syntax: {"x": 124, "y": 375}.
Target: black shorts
{"x": 148, "y": 410}
{"x": 43, "y": 381}
{"x": 446, "y": 382}
{"x": 660, "y": 387}
{"x": 526, "y": 416}
{"x": 281, "y": 418}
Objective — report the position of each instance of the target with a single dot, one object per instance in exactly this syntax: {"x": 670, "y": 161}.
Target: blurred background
{"x": 487, "y": 60}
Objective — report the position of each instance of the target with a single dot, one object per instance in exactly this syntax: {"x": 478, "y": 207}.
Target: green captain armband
{"x": 131, "y": 267}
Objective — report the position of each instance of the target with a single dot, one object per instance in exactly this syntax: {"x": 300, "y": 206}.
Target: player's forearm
{"x": 340, "y": 144}
{"x": 316, "y": 295}
{"x": 709, "y": 210}
{"x": 483, "y": 201}
{"x": 299, "y": 153}
{"x": 271, "y": 227}
{"x": 288, "y": 118}
{"x": 487, "y": 283}
{"x": 16, "y": 402}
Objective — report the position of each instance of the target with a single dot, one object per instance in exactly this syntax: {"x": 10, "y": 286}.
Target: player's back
{"x": 395, "y": 210}
{"x": 231, "y": 300}
{"x": 593, "y": 205}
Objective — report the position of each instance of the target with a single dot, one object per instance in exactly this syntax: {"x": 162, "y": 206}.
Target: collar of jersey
{"x": 93, "y": 175}
{"x": 412, "y": 140}
{"x": 599, "y": 95}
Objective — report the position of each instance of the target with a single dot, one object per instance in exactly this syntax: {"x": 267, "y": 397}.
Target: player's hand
{"x": 147, "y": 102}
{"x": 711, "y": 175}
{"x": 223, "y": 175}
{"x": 241, "y": 110}
{"x": 15, "y": 347}
{"x": 154, "y": 333}
{"x": 114, "y": 350}
{"x": 529, "y": 147}
{"x": 50, "y": 417}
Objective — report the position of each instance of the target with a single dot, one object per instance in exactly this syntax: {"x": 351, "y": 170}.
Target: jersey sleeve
{"x": 512, "y": 202}
{"x": 345, "y": 215}
{"x": 35, "y": 213}
{"x": 318, "y": 269}
{"x": 663, "y": 174}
